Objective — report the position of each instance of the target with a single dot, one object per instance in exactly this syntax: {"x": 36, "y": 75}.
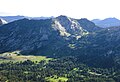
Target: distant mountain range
{"x": 108, "y": 22}
{"x": 14, "y": 18}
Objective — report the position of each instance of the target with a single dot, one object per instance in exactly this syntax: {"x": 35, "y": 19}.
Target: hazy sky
{"x": 73, "y": 8}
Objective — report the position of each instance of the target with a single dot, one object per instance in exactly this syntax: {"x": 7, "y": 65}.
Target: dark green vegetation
{"x": 80, "y": 51}
{"x": 66, "y": 69}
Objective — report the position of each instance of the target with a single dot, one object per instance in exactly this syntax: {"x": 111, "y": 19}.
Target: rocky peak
{"x": 68, "y": 26}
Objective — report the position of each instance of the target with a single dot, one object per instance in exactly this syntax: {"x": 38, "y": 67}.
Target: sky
{"x": 91, "y": 9}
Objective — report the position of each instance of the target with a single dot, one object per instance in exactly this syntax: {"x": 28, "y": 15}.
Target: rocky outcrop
{"x": 2, "y": 21}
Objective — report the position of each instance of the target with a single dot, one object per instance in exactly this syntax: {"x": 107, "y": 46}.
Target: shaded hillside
{"x": 100, "y": 49}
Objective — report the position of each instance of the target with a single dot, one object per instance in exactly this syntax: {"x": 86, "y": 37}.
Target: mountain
{"x": 96, "y": 20}
{"x": 39, "y": 18}
{"x": 108, "y": 22}
{"x": 75, "y": 50}
{"x": 63, "y": 36}
{"x": 2, "y": 22}
{"x": 14, "y": 18}
{"x": 42, "y": 36}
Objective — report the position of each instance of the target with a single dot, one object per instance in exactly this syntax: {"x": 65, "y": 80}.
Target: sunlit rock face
{"x": 73, "y": 27}
{"x": 2, "y": 21}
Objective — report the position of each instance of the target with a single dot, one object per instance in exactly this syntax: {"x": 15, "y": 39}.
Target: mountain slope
{"x": 89, "y": 26}
{"x": 27, "y": 35}
{"x": 100, "y": 49}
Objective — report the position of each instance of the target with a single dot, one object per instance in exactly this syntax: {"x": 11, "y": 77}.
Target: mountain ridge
{"x": 108, "y": 22}
{"x": 20, "y": 31}
{"x": 18, "y": 17}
